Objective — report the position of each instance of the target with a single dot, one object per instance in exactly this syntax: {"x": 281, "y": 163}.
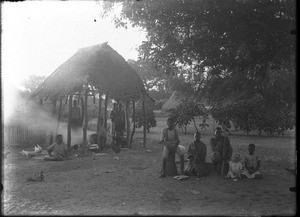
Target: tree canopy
{"x": 229, "y": 51}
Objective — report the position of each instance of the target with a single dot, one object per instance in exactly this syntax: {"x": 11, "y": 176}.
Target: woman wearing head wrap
{"x": 222, "y": 149}
{"x": 196, "y": 157}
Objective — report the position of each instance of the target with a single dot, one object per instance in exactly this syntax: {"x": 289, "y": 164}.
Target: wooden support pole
{"x": 105, "y": 114}
{"x": 59, "y": 114}
{"x": 85, "y": 124}
{"x": 43, "y": 133}
{"x": 82, "y": 110}
{"x": 127, "y": 123}
{"x": 41, "y": 102}
{"x": 69, "y": 122}
{"x": 144, "y": 120}
{"x": 53, "y": 113}
{"x": 98, "y": 123}
{"x": 133, "y": 120}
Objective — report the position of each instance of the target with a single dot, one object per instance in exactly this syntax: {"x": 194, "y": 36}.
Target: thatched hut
{"x": 93, "y": 70}
{"x": 175, "y": 99}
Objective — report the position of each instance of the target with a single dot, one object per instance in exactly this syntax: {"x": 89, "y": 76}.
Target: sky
{"x": 38, "y": 36}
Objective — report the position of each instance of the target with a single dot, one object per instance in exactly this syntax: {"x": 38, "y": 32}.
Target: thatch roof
{"x": 99, "y": 66}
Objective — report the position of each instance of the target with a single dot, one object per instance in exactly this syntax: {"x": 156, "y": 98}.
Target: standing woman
{"x": 170, "y": 140}
{"x": 112, "y": 118}
{"x": 222, "y": 152}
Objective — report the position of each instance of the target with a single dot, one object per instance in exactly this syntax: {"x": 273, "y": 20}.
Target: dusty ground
{"x": 127, "y": 183}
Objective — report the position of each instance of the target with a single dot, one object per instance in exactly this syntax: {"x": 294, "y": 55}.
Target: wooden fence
{"x": 22, "y": 135}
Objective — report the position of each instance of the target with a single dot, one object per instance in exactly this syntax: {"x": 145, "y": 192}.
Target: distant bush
{"x": 186, "y": 112}
{"x": 255, "y": 115}
{"x": 150, "y": 118}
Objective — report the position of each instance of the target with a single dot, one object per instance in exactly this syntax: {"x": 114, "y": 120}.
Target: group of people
{"x": 223, "y": 160}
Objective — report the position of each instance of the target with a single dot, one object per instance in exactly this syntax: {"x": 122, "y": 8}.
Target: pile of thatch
{"x": 99, "y": 66}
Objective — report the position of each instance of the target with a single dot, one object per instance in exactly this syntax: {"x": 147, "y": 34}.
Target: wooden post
{"x": 144, "y": 120}
{"x": 82, "y": 109}
{"x": 59, "y": 114}
{"x": 53, "y": 113}
{"x": 85, "y": 120}
{"x": 133, "y": 119}
{"x": 43, "y": 133}
{"x": 41, "y": 102}
{"x": 105, "y": 114}
{"x": 69, "y": 122}
{"x": 98, "y": 123}
{"x": 127, "y": 123}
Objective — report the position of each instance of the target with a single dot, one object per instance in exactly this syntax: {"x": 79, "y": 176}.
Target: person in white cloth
{"x": 235, "y": 167}
{"x": 252, "y": 164}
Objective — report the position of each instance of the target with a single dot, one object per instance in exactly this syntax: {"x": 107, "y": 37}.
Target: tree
{"x": 151, "y": 77}
{"x": 222, "y": 35}
{"x": 186, "y": 112}
{"x": 226, "y": 51}
{"x": 151, "y": 121}
{"x": 33, "y": 82}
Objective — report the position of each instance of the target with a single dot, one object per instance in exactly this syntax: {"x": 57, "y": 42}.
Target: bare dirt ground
{"x": 127, "y": 183}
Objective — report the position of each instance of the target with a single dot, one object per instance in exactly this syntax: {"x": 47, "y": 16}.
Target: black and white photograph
{"x": 148, "y": 107}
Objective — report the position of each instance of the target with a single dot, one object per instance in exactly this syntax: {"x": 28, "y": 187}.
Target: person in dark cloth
{"x": 112, "y": 118}
{"x": 76, "y": 121}
{"x": 119, "y": 119}
{"x": 196, "y": 158}
{"x": 222, "y": 152}
{"x": 170, "y": 140}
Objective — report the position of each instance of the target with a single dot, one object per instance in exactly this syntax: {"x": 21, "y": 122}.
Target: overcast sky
{"x": 38, "y": 36}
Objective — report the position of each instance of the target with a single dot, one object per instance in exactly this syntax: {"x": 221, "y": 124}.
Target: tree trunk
{"x": 195, "y": 125}
{"x": 127, "y": 123}
{"x": 69, "y": 122}
{"x": 133, "y": 119}
{"x": 144, "y": 121}
{"x": 98, "y": 123}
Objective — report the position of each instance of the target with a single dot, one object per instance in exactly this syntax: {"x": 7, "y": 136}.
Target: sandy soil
{"x": 127, "y": 183}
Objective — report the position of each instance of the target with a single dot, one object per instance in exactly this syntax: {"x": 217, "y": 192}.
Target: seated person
{"x": 196, "y": 158}
{"x": 252, "y": 164}
{"x": 235, "y": 167}
{"x": 57, "y": 151}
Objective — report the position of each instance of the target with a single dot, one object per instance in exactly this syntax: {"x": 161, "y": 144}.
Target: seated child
{"x": 57, "y": 151}
{"x": 235, "y": 167}
{"x": 252, "y": 164}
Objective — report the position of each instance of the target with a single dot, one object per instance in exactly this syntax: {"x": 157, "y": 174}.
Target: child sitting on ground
{"x": 57, "y": 151}
{"x": 235, "y": 167}
{"x": 252, "y": 164}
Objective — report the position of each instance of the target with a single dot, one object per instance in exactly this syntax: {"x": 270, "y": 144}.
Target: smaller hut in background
{"x": 175, "y": 99}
